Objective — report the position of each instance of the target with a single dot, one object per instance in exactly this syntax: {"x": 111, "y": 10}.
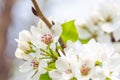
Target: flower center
{"x": 68, "y": 71}
{"x": 34, "y": 64}
{"x": 47, "y": 38}
{"x": 85, "y": 70}
{"x": 109, "y": 19}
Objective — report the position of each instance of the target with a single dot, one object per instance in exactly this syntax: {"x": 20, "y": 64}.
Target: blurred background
{"x": 16, "y": 15}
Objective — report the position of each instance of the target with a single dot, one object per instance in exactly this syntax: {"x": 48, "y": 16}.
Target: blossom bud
{"x": 24, "y": 36}
{"x": 24, "y": 46}
{"x": 21, "y": 55}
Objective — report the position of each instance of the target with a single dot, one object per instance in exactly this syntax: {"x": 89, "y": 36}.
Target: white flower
{"x": 63, "y": 68}
{"x": 101, "y": 53}
{"x": 88, "y": 57}
{"x": 66, "y": 66}
{"x": 94, "y": 61}
{"x": 111, "y": 18}
{"x": 24, "y": 40}
{"x": 109, "y": 12}
{"x": 92, "y": 23}
{"x": 104, "y": 21}
{"x": 91, "y": 29}
{"x": 111, "y": 68}
{"x": 33, "y": 67}
{"x": 43, "y": 36}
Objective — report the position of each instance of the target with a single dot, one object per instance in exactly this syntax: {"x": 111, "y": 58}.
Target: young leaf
{"x": 69, "y": 31}
{"x": 84, "y": 41}
{"x": 45, "y": 76}
{"x": 51, "y": 66}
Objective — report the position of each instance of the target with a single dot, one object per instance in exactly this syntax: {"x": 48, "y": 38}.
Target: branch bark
{"x": 40, "y": 14}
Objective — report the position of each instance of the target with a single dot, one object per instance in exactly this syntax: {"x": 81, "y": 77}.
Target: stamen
{"x": 85, "y": 70}
{"x": 47, "y": 38}
{"x": 34, "y": 64}
{"x": 109, "y": 19}
{"x": 68, "y": 71}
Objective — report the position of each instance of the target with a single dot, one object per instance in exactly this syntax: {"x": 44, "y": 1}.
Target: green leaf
{"x": 84, "y": 41}
{"x": 45, "y": 76}
{"x": 51, "y": 66}
{"x": 48, "y": 69}
{"x": 69, "y": 31}
{"x": 107, "y": 78}
{"x": 73, "y": 78}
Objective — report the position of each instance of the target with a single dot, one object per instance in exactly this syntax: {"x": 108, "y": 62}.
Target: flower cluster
{"x": 103, "y": 25}
{"x": 83, "y": 58}
{"x": 93, "y": 61}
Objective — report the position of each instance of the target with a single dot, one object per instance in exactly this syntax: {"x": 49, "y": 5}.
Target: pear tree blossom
{"x": 42, "y": 36}
{"x": 88, "y": 64}
{"x": 69, "y": 51}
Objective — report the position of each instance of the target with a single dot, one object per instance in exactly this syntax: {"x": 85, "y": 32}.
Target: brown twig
{"x": 44, "y": 19}
{"x": 40, "y": 14}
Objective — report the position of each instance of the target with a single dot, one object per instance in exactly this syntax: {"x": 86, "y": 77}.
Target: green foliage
{"x": 51, "y": 66}
{"x": 69, "y": 31}
{"x": 107, "y": 78}
{"x": 84, "y": 41}
{"x": 73, "y": 78}
{"x": 45, "y": 76}
{"x": 53, "y": 53}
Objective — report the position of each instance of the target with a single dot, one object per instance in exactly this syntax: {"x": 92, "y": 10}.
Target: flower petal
{"x": 56, "y": 30}
{"x": 107, "y": 27}
{"x": 116, "y": 34}
{"x": 55, "y": 75}
{"x": 24, "y": 36}
{"x": 62, "y": 64}
{"x": 26, "y": 66}
{"x": 31, "y": 76}
{"x": 21, "y": 55}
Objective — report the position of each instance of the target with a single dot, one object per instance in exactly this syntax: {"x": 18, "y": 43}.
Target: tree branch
{"x": 40, "y": 14}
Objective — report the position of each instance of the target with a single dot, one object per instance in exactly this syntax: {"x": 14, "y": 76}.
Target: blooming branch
{"x": 44, "y": 19}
